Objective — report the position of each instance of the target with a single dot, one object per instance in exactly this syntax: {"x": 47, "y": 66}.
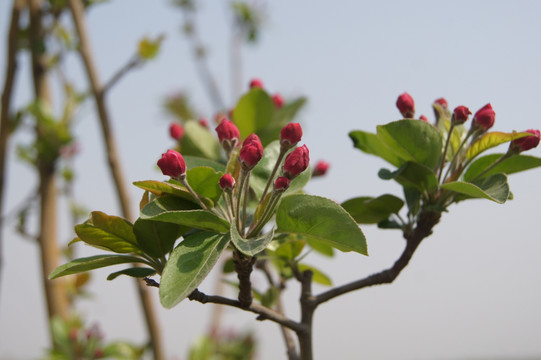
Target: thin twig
{"x": 131, "y": 64}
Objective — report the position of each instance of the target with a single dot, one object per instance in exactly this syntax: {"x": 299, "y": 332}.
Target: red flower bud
{"x": 278, "y": 100}
{"x": 176, "y": 131}
{"x": 484, "y": 118}
{"x": 460, "y": 115}
{"x": 442, "y": 102}
{"x": 424, "y": 118}
{"x": 281, "y": 184}
{"x": 251, "y": 152}
{"x": 290, "y": 135}
{"x": 204, "y": 123}
{"x": 172, "y": 164}
{"x": 228, "y": 134}
{"x": 256, "y": 83}
{"x": 321, "y": 168}
{"x": 227, "y": 182}
{"x": 527, "y": 142}
{"x": 406, "y": 105}
{"x": 296, "y": 162}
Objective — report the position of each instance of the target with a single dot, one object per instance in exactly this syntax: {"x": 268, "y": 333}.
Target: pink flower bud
{"x": 251, "y": 152}
{"x": 204, "y": 123}
{"x": 484, "y": 118}
{"x": 527, "y": 142}
{"x": 228, "y": 134}
{"x": 172, "y": 164}
{"x": 227, "y": 182}
{"x": 406, "y": 105}
{"x": 176, "y": 131}
{"x": 290, "y": 135}
{"x": 256, "y": 83}
{"x": 296, "y": 162}
{"x": 281, "y": 184}
{"x": 424, "y": 118}
{"x": 460, "y": 115}
{"x": 278, "y": 100}
{"x": 321, "y": 168}
{"x": 442, "y": 102}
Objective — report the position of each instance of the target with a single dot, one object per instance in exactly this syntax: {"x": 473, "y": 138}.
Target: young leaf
{"x": 514, "y": 164}
{"x": 91, "y": 263}
{"x": 157, "y": 238}
{"x": 494, "y": 188}
{"x": 110, "y": 232}
{"x": 205, "y": 182}
{"x": 412, "y": 174}
{"x": 372, "y": 144}
{"x": 194, "y": 161}
{"x": 189, "y": 263}
{"x": 322, "y": 219}
{"x": 160, "y": 188}
{"x": 199, "y": 141}
{"x": 137, "y": 272}
{"x": 251, "y": 246}
{"x": 490, "y": 140}
{"x": 254, "y": 111}
{"x": 368, "y": 210}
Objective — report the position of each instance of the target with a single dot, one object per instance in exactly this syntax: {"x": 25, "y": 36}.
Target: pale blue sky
{"x": 471, "y": 291}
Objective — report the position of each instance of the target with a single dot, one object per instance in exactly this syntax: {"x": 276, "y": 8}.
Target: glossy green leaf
{"x": 200, "y": 142}
{"x": 254, "y": 111}
{"x": 137, "y": 272}
{"x": 91, "y": 263}
{"x": 195, "y": 161}
{"x": 252, "y": 246}
{"x": 108, "y": 232}
{"x": 322, "y": 219}
{"x": 493, "y": 188}
{"x": 368, "y": 210}
{"x": 320, "y": 247}
{"x": 205, "y": 182}
{"x": 490, "y": 140}
{"x": 412, "y": 140}
{"x": 372, "y": 144}
{"x": 172, "y": 187}
{"x": 317, "y": 275}
{"x": 189, "y": 264}
{"x": 157, "y": 238}
{"x": 412, "y": 174}
{"x": 514, "y": 164}
{"x": 165, "y": 209}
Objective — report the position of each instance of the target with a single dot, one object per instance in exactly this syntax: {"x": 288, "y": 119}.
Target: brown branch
{"x": 263, "y": 312}
{"x": 308, "y": 306}
{"x": 9, "y": 80}
{"x": 132, "y": 64}
{"x": 243, "y": 267}
{"x": 427, "y": 220}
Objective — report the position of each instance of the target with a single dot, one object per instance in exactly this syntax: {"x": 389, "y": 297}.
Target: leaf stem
{"x": 184, "y": 182}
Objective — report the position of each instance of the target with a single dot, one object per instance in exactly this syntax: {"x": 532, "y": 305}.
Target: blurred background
{"x": 472, "y": 290}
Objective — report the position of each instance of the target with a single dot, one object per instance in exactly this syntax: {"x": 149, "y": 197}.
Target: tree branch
{"x": 132, "y": 64}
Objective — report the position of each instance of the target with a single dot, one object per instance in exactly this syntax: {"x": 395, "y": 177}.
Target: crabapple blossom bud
{"x": 424, "y": 118}
{"x": 526, "y": 143}
{"x": 176, "y": 131}
{"x": 460, "y": 115}
{"x": 281, "y": 184}
{"x": 290, "y": 135}
{"x": 251, "y": 152}
{"x": 278, "y": 100}
{"x": 227, "y": 182}
{"x": 442, "y": 102}
{"x": 204, "y": 123}
{"x": 256, "y": 83}
{"x": 296, "y": 162}
{"x": 406, "y": 105}
{"x": 228, "y": 134}
{"x": 484, "y": 118}
{"x": 172, "y": 164}
{"x": 321, "y": 168}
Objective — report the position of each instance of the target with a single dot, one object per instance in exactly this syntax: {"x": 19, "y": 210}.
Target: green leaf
{"x": 372, "y": 144}
{"x": 200, "y": 142}
{"x": 514, "y": 164}
{"x": 205, "y": 182}
{"x": 194, "y": 161}
{"x": 254, "y": 111}
{"x": 149, "y": 48}
{"x": 412, "y": 140}
{"x": 172, "y": 187}
{"x": 412, "y": 174}
{"x": 287, "y": 113}
{"x": 157, "y": 238}
{"x": 91, "y": 263}
{"x": 165, "y": 209}
{"x": 189, "y": 263}
{"x": 494, "y": 188}
{"x": 251, "y": 246}
{"x": 368, "y": 210}
{"x": 320, "y": 247}
{"x": 290, "y": 248}
{"x": 322, "y": 219}
{"x": 490, "y": 140}
{"x": 137, "y": 272}
{"x": 317, "y": 275}
{"x": 108, "y": 232}
{"x": 268, "y": 299}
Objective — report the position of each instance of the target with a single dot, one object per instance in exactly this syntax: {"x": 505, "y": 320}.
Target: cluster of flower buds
{"x": 276, "y": 98}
